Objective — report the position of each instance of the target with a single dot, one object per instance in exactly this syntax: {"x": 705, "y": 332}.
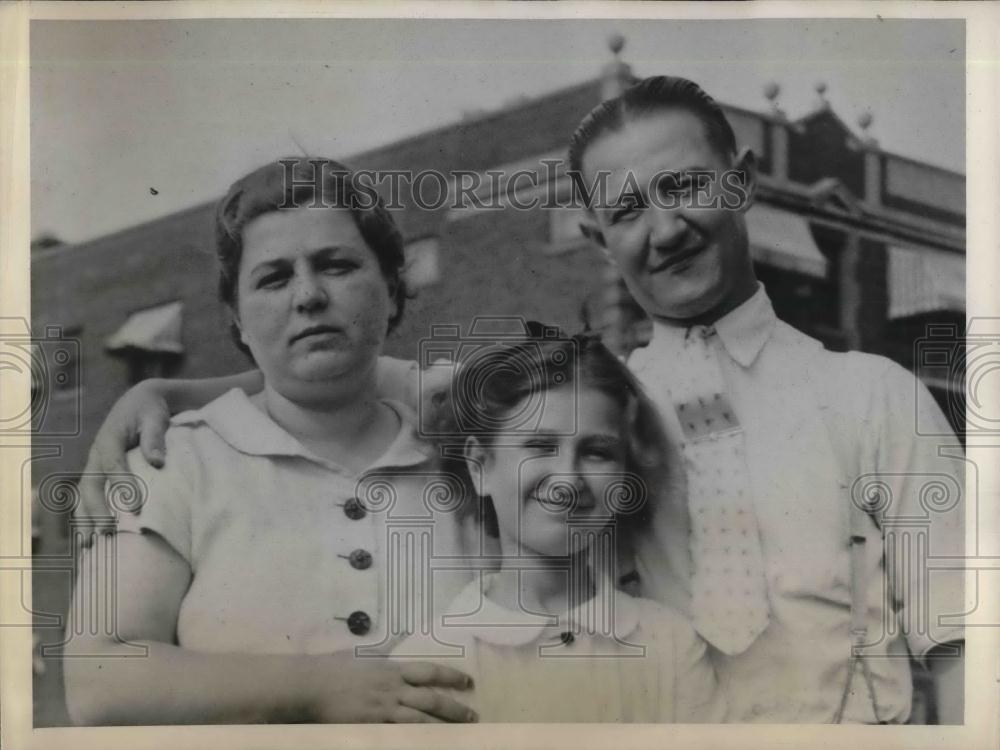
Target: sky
{"x": 187, "y": 107}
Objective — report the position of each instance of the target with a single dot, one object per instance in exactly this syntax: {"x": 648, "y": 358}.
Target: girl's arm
{"x": 109, "y": 681}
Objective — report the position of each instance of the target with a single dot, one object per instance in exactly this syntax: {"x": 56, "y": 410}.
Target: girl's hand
{"x": 347, "y": 690}
{"x": 140, "y": 417}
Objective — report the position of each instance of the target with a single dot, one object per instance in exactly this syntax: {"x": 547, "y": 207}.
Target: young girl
{"x": 565, "y": 452}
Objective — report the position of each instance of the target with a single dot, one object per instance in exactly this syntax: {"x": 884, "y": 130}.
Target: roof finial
{"x": 771, "y": 91}
{"x": 616, "y": 43}
{"x": 616, "y": 75}
{"x": 865, "y": 120}
{"x": 821, "y": 90}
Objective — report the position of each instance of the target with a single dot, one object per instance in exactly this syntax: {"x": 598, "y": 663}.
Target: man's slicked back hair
{"x": 648, "y": 96}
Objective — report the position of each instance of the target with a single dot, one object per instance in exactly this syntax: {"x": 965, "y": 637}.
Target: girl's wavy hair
{"x": 495, "y": 382}
{"x": 310, "y": 182}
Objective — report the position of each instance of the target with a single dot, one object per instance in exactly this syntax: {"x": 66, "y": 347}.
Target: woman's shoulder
{"x": 192, "y": 440}
{"x": 223, "y": 424}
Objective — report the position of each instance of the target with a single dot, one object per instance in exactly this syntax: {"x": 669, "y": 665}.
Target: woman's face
{"x": 312, "y": 305}
{"x": 543, "y": 482}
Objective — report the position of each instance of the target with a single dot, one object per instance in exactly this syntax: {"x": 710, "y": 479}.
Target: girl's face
{"x": 544, "y": 482}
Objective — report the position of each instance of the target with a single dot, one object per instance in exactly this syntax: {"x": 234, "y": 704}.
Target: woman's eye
{"x": 337, "y": 266}
{"x": 272, "y": 280}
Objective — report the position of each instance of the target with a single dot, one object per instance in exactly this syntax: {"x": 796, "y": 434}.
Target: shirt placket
{"x": 357, "y": 609}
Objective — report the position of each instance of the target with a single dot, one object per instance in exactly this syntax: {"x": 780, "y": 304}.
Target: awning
{"x": 155, "y": 329}
{"x": 782, "y": 239}
{"x": 925, "y": 280}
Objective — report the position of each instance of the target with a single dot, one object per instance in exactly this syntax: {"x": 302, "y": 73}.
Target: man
{"x": 783, "y": 558}
{"x": 778, "y": 555}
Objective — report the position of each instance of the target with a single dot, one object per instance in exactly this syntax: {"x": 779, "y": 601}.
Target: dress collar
{"x": 743, "y": 331}
{"x": 498, "y": 625}
{"x": 247, "y": 429}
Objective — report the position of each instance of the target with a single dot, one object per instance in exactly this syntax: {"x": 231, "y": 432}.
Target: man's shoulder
{"x": 855, "y": 390}
{"x": 864, "y": 367}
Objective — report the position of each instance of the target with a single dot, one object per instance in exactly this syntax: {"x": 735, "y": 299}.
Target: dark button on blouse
{"x": 354, "y": 510}
{"x": 360, "y": 559}
{"x": 359, "y": 622}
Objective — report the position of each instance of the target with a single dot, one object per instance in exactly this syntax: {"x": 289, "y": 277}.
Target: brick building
{"x": 858, "y": 247}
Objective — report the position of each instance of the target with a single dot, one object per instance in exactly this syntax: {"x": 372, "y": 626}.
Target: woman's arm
{"x": 108, "y": 683}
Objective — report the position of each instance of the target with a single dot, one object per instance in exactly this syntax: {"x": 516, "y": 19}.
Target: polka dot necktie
{"x": 729, "y": 591}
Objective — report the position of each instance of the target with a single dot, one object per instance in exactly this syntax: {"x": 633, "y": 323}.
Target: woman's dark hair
{"x": 498, "y": 391}
{"x": 305, "y": 182}
{"x": 650, "y": 95}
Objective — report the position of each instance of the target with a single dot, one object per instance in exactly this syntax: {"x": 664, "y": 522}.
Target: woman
{"x": 254, "y": 573}
{"x": 563, "y": 448}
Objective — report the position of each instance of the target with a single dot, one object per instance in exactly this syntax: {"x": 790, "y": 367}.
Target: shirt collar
{"x": 500, "y": 626}
{"x": 743, "y": 331}
{"x": 241, "y": 424}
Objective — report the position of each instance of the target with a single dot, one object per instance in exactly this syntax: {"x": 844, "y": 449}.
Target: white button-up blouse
{"x": 289, "y": 552}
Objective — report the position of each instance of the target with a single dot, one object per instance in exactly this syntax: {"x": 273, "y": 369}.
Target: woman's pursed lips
{"x": 316, "y": 330}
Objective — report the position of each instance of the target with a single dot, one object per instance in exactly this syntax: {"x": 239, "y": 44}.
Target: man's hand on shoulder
{"x": 139, "y": 418}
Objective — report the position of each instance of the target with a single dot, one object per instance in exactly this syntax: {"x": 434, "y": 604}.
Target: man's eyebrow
{"x": 622, "y": 200}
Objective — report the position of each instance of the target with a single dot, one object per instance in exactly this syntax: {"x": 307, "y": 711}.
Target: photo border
{"x": 983, "y": 300}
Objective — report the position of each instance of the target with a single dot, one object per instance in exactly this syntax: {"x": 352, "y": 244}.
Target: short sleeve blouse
{"x": 289, "y": 552}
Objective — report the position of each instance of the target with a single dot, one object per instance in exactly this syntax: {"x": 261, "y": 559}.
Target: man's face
{"x": 682, "y": 250}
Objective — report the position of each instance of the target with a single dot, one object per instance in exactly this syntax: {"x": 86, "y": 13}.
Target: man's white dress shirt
{"x": 821, "y": 428}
